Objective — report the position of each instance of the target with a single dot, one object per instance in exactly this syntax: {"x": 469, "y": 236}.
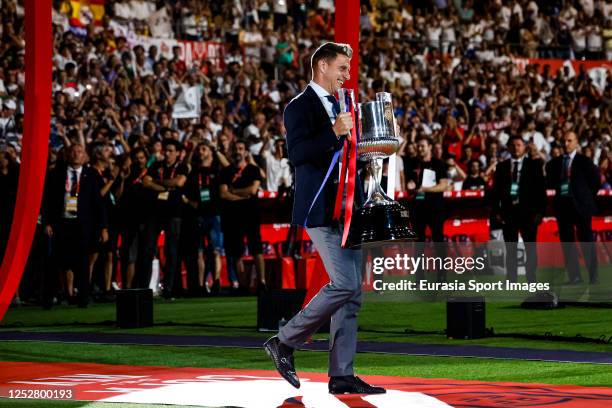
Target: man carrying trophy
{"x": 316, "y": 133}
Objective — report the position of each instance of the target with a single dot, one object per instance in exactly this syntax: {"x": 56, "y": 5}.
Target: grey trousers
{"x": 340, "y": 299}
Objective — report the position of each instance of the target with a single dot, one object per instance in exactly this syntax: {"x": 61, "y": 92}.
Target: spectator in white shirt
{"x": 531, "y": 135}
{"x": 251, "y": 40}
{"x": 278, "y": 172}
{"x": 594, "y": 40}
{"x": 579, "y": 40}
{"x": 449, "y": 37}
{"x": 434, "y": 31}
{"x": 504, "y": 15}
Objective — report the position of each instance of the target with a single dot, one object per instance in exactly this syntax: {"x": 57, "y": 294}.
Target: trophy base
{"x": 381, "y": 223}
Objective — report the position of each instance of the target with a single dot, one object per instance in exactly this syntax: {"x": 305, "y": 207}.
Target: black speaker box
{"x": 465, "y": 318}
{"x": 134, "y": 308}
{"x": 275, "y": 305}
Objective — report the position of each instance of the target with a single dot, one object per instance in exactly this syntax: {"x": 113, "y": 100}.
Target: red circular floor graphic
{"x": 258, "y": 388}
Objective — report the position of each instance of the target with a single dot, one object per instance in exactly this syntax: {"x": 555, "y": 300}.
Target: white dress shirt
{"x": 323, "y": 94}
{"x": 78, "y": 170}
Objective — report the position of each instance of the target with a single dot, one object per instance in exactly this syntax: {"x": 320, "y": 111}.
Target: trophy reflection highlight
{"x": 380, "y": 219}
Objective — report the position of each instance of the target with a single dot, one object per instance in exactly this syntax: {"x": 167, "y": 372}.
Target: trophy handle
{"x": 346, "y": 99}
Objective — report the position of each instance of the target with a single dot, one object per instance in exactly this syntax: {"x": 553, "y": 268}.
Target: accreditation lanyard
{"x": 204, "y": 192}
{"x": 165, "y": 195}
{"x": 162, "y": 172}
{"x": 200, "y": 179}
{"x": 238, "y": 174}
{"x": 138, "y": 179}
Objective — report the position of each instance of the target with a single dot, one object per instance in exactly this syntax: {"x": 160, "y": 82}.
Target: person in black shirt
{"x": 202, "y": 197}
{"x": 166, "y": 179}
{"x": 426, "y": 181}
{"x": 238, "y": 185}
{"x": 518, "y": 204}
{"x": 109, "y": 177}
{"x": 474, "y": 179}
{"x": 134, "y": 212}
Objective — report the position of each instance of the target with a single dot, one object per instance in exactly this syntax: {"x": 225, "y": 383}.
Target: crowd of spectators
{"x": 447, "y": 63}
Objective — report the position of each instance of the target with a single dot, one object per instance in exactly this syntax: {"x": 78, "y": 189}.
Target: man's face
{"x": 77, "y": 155}
{"x": 335, "y": 72}
{"x": 239, "y": 153}
{"x": 260, "y": 119}
{"x": 170, "y": 153}
{"x": 204, "y": 152}
{"x": 141, "y": 159}
{"x": 438, "y": 150}
{"x": 517, "y": 148}
{"x": 570, "y": 142}
{"x": 474, "y": 168}
{"x": 423, "y": 148}
{"x": 217, "y": 116}
{"x": 164, "y": 120}
{"x": 107, "y": 151}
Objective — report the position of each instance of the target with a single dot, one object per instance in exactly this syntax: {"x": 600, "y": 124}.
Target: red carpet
{"x": 259, "y": 388}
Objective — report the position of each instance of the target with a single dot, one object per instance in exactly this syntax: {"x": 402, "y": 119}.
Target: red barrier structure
{"x": 37, "y": 123}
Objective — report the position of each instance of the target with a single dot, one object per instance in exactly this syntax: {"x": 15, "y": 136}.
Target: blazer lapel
{"x": 319, "y": 109}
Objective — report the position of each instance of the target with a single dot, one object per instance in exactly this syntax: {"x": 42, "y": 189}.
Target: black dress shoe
{"x": 282, "y": 356}
{"x": 350, "y": 384}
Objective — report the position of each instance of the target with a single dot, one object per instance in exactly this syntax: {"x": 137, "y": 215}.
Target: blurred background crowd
{"x": 185, "y": 145}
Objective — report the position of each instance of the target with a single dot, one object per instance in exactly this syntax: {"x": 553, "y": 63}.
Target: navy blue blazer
{"x": 311, "y": 144}
{"x": 91, "y": 212}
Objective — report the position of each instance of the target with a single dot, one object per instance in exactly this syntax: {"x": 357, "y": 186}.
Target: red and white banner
{"x": 596, "y": 69}
{"x": 190, "y": 51}
{"x": 213, "y": 387}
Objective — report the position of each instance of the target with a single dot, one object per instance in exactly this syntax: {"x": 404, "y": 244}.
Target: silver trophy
{"x": 380, "y": 219}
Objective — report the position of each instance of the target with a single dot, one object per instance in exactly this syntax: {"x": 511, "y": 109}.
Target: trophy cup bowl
{"x": 380, "y": 219}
